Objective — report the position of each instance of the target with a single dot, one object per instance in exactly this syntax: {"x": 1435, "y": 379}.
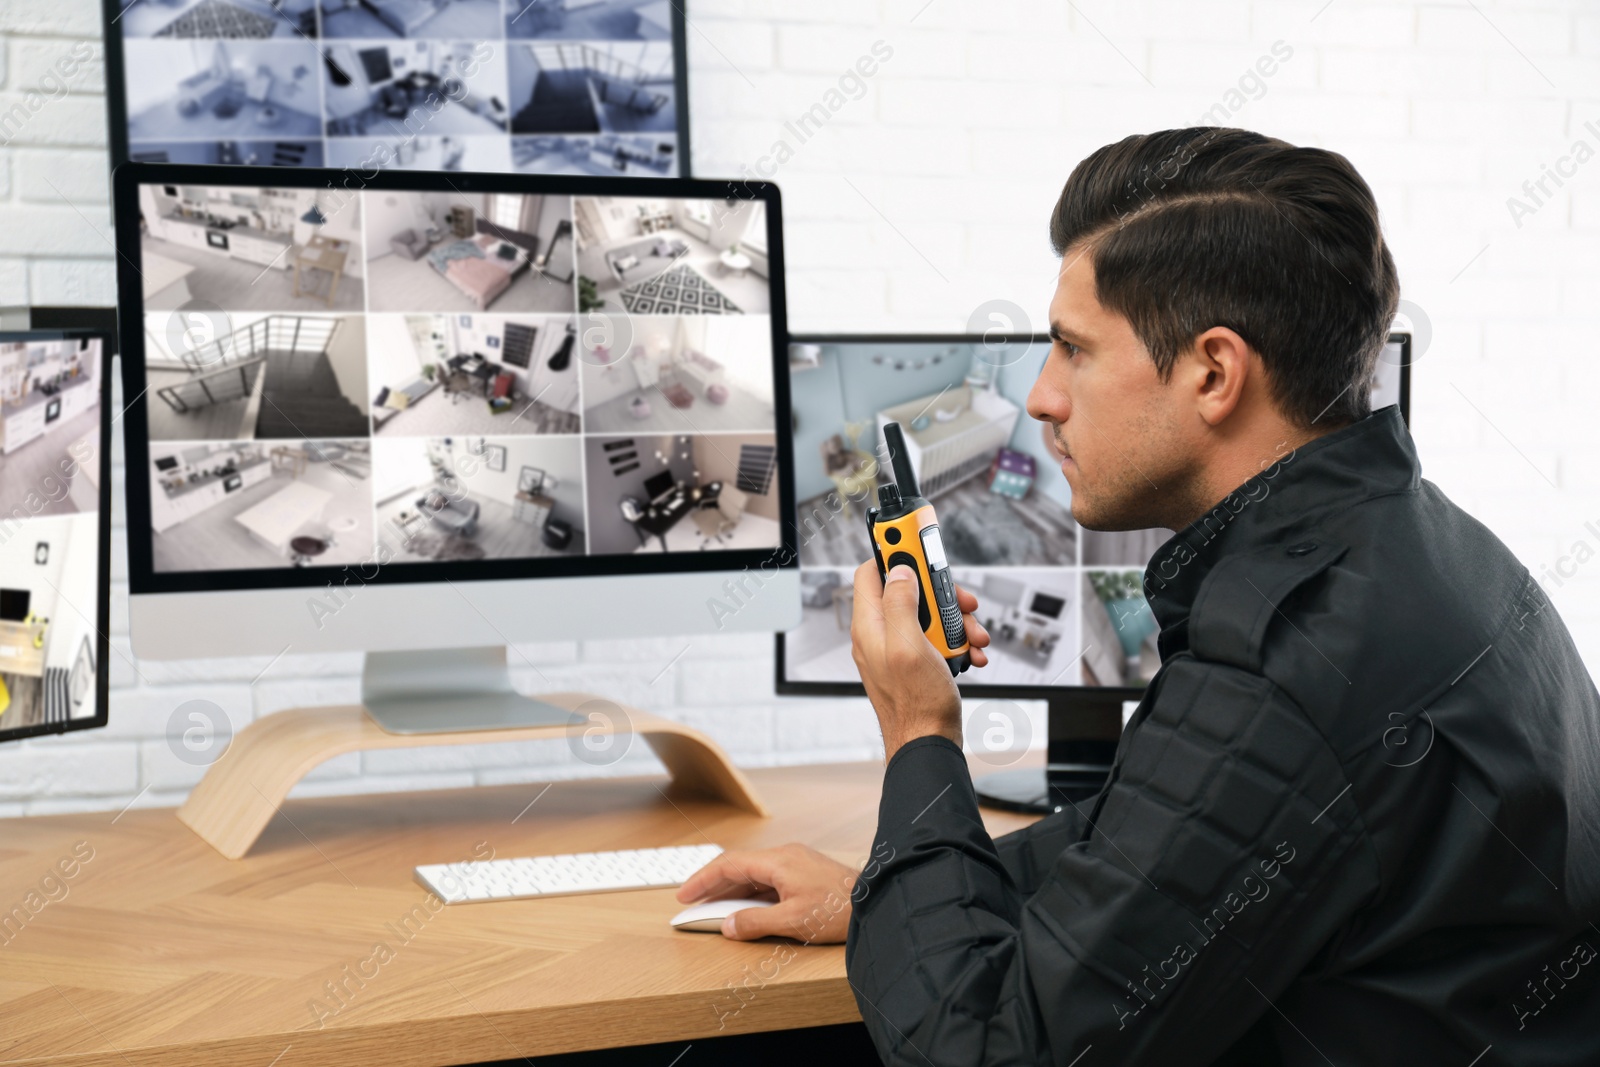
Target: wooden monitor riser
{"x": 242, "y": 791}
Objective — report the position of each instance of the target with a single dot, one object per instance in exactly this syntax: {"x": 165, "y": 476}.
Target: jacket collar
{"x": 1372, "y": 457}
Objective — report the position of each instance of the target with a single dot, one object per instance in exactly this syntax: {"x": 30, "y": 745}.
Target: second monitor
{"x": 1064, "y": 605}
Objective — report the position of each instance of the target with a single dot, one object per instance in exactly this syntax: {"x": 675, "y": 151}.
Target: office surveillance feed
{"x": 49, "y": 532}
{"x": 537, "y": 86}
{"x": 401, "y": 377}
{"x": 1063, "y": 605}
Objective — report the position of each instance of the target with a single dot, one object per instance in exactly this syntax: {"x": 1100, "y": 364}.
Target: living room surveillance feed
{"x": 428, "y": 377}
{"x": 544, "y": 87}
{"x": 49, "y": 530}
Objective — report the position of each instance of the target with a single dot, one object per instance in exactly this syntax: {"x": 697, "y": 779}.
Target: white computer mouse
{"x": 707, "y": 918}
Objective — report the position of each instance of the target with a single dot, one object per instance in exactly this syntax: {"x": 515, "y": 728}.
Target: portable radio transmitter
{"x": 905, "y": 532}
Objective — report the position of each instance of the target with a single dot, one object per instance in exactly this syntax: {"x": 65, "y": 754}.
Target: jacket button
{"x": 1304, "y": 548}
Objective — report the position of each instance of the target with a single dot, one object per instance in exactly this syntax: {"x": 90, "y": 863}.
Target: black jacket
{"x": 1355, "y": 820}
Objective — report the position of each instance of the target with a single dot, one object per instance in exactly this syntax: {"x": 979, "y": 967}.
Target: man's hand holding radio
{"x": 905, "y": 676}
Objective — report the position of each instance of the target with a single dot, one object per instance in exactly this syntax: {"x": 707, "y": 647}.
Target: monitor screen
{"x": 54, "y": 533}
{"x": 14, "y": 604}
{"x": 1046, "y": 605}
{"x": 437, "y": 384}
{"x": 375, "y": 64}
{"x": 549, "y": 87}
{"x": 658, "y": 485}
{"x": 1064, "y": 606}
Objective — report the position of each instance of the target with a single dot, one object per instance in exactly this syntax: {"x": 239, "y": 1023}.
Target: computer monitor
{"x": 1046, "y": 606}
{"x": 580, "y": 87}
{"x": 1064, "y": 606}
{"x": 659, "y": 485}
{"x": 346, "y": 435}
{"x": 14, "y": 604}
{"x": 55, "y": 531}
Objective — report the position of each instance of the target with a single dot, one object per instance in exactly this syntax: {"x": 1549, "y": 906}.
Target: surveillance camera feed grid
{"x": 336, "y": 379}
{"x": 50, "y": 530}
{"x": 534, "y": 86}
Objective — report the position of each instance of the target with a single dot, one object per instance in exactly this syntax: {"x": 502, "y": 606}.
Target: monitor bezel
{"x": 117, "y": 91}
{"x": 144, "y": 579}
{"x": 102, "y": 674}
{"x": 1403, "y": 339}
{"x": 784, "y": 686}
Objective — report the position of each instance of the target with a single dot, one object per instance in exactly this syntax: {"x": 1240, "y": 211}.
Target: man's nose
{"x": 1048, "y": 402}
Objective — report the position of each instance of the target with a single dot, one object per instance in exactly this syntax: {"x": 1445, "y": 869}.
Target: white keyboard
{"x": 560, "y": 876}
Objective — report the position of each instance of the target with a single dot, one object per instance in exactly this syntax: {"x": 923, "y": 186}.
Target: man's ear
{"x": 1217, "y": 367}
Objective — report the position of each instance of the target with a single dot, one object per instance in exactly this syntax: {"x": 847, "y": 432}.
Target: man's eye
{"x": 1071, "y": 349}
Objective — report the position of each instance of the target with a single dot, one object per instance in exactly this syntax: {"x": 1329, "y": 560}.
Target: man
{"x": 1355, "y": 819}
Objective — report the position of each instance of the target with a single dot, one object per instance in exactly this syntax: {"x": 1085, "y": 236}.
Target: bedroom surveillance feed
{"x": 50, "y": 525}
{"x": 427, "y": 377}
{"x": 543, "y": 87}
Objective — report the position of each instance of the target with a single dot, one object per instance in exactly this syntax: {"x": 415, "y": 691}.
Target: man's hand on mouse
{"x": 812, "y": 891}
{"x": 907, "y": 680}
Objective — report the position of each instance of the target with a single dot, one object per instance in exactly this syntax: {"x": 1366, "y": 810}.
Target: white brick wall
{"x": 923, "y": 199}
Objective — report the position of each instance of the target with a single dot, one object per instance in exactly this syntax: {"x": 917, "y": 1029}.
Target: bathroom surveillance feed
{"x": 49, "y": 530}
{"x": 449, "y": 85}
{"x": 1063, "y": 605}
{"x": 402, "y": 376}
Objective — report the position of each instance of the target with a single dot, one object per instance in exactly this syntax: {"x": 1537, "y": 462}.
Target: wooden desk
{"x": 478, "y": 380}
{"x": 657, "y": 520}
{"x": 164, "y": 953}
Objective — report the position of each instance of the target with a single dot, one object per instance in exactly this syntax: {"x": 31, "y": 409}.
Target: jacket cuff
{"x": 927, "y": 775}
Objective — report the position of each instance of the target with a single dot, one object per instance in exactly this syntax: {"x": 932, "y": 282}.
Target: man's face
{"x": 1119, "y": 425}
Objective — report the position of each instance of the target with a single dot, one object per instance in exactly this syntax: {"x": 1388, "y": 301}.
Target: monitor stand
{"x": 1083, "y": 728}
{"x": 440, "y": 691}
{"x": 461, "y": 697}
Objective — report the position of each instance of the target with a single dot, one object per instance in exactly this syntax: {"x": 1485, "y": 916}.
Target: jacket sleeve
{"x": 1029, "y": 853}
{"x": 1224, "y": 853}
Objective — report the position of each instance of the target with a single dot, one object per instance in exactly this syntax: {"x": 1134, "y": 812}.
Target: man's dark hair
{"x": 1202, "y": 227}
